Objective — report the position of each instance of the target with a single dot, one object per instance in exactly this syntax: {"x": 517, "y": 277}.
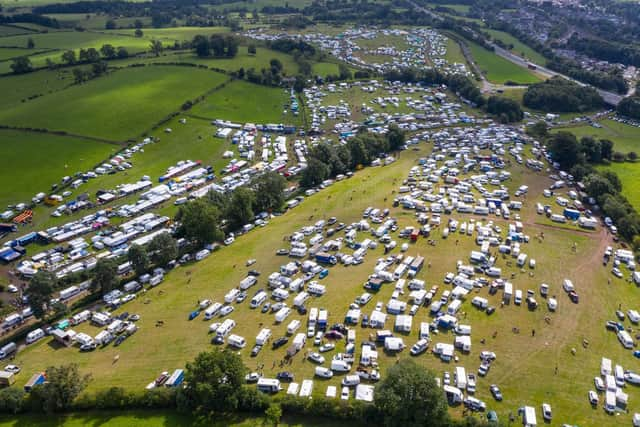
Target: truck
{"x": 322, "y": 319}
{"x": 36, "y": 379}
{"x": 326, "y": 258}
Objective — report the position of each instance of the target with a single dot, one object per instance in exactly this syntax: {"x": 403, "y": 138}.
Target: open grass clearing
{"x": 629, "y": 174}
{"x": 625, "y": 138}
{"x": 8, "y": 53}
{"x": 174, "y": 34}
{"x": 454, "y": 52}
{"x": 499, "y": 70}
{"x": 245, "y": 102}
{"x": 8, "y": 30}
{"x": 155, "y": 349}
{"x": 519, "y": 48}
{"x": 31, "y": 162}
{"x": 121, "y": 105}
{"x": 17, "y": 89}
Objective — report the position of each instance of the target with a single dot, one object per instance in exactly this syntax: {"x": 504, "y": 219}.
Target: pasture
{"x": 519, "y": 48}
{"x": 454, "y": 52}
{"x": 121, "y": 105}
{"x": 625, "y": 138}
{"x": 34, "y": 161}
{"x": 533, "y": 358}
{"x": 245, "y": 102}
{"x": 18, "y": 89}
{"x": 497, "y": 69}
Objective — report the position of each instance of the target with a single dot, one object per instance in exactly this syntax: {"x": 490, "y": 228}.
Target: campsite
{"x": 404, "y": 220}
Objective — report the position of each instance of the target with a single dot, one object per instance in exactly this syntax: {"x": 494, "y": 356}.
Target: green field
{"x": 625, "y": 139}
{"x": 18, "y": 88}
{"x": 454, "y": 53}
{"x": 519, "y": 48}
{"x": 154, "y": 349}
{"x": 95, "y": 21}
{"x": 150, "y": 419}
{"x": 7, "y": 30}
{"x": 121, "y": 105}
{"x": 173, "y": 34}
{"x": 33, "y": 161}
{"x": 233, "y": 102}
{"x": 497, "y": 69}
{"x": 8, "y": 53}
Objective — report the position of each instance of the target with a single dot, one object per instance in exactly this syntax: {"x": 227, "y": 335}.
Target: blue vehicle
{"x": 194, "y": 314}
{"x": 324, "y": 273}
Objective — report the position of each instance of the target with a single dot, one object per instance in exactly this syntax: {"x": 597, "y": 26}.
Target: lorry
{"x": 326, "y": 258}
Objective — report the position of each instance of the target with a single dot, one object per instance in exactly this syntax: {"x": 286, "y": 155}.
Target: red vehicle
{"x": 414, "y": 235}
{"x": 574, "y": 297}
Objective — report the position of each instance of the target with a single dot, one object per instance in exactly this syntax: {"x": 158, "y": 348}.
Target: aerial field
{"x": 121, "y": 105}
{"x": 454, "y": 53}
{"x": 8, "y": 30}
{"x": 154, "y": 349}
{"x": 245, "y": 102}
{"x": 31, "y": 162}
{"x": 625, "y": 138}
{"x": 173, "y": 34}
{"x": 519, "y": 48}
{"x": 497, "y": 69}
{"x": 95, "y": 21}
{"x": 17, "y": 89}
{"x": 8, "y": 53}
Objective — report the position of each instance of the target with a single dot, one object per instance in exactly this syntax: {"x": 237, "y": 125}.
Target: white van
{"x": 518, "y": 298}
{"x": 212, "y": 310}
{"x": 34, "y": 336}
{"x": 258, "y": 299}
{"x": 231, "y": 295}
{"x": 263, "y": 336}
{"x": 293, "y": 326}
{"x": 236, "y": 341}
{"x": 226, "y": 327}
{"x": 282, "y": 314}
{"x": 625, "y": 339}
{"x": 340, "y": 366}
{"x": 567, "y": 285}
{"x": 200, "y": 255}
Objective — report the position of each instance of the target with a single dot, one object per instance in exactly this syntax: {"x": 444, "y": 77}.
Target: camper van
{"x": 258, "y": 299}
{"x": 263, "y": 336}
{"x": 226, "y": 327}
{"x": 34, "y": 336}
{"x": 269, "y": 385}
{"x": 236, "y": 341}
{"x": 212, "y": 310}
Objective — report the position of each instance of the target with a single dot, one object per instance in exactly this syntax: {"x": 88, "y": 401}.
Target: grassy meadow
{"x": 499, "y": 70}
{"x": 243, "y": 102}
{"x": 154, "y": 349}
{"x": 34, "y": 161}
{"x": 121, "y": 105}
{"x": 519, "y": 48}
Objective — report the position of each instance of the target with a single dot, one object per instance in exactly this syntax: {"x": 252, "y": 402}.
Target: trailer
{"x": 36, "y": 379}
{"x": 175, "y": 379}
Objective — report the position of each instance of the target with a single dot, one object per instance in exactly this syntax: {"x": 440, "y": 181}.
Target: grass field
{"x": 7, "y": 30}
{"x": 519, "y": 48}
{"x": 18, "y": 88}
{"x": 264, "y": 105}
{"x": 95, "y": 21}
{"x": 34, "y": 161}
{"x": 173, "y": 34}
{"x": 454, "y": 53}
{"x": 8, "y": 53}
{"x": 497, "y": 69}
{"x": 155, "y": 349}
{"x": 119, "y": 106}
{"x": 150, "y": 419}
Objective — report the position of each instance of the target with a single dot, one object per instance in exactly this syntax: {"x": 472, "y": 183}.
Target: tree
{"x": 344, "y": 72}
{"x": 276, "y": 65}
{"x": 89, "y": 55}
{"x": 217, "y": 44}
{"x": 240, "y": 210}
{"x": 613, "y": 178}
{"x": 606, "y": 147}
{"x": 564, "y": 149}
{"x": 614, "y": 208}
{"x": 138, "y": 32}
{"x": 409, "y": 396}
{"x": 79, "y": 75}
{"x": 299, "y": 84}
{"x": 632, "y": 156}
{"x": 40, "y": 291}
{"x": 232, "y": 46}
{"x": 69, "y": 57}
{"x": 156, "y": 47}
{"x": 64, "y": 384}
{"x": 110, "y": 24}
{"x": 269, "y": 192}
{"x": 108, "y": 51}
{"x": 538, "y": 129}
{"x": 273, "y": 414}
{"x": 105, "y": 275}
{"x": 30, "y": 43}
{"x": 251, "y": 49}
{"x": 314, "y": 174}
{"x": 122, "y": 53}
{"x": 507, "y": 110}
{"x": 199, "y": 222}
{"x": 201, "y": 45}
{"x": 598, "y": 186}
{"x": 21, "y": 65}
{"x": 591, "y": 149}
{"x": 11, "y": 400}
{"x": 395, "y": 137}
{"x": 214, "y": 382}
{"x": 163, "y": 249}
{"x": 98, "y": 68}
{"x": 139, "y": 259}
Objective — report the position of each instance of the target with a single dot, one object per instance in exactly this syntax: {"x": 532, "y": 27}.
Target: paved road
{"x": 609, "y": 97}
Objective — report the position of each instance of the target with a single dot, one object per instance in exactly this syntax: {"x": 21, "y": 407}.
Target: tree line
{"x": 561, "y": 95}
{"x": 629, "y": 107}
{"x": 215, "y": 388}
{"x": 580, "y": 157}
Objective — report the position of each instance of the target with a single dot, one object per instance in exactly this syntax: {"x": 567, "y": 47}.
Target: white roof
{"x": 364, "y": 392}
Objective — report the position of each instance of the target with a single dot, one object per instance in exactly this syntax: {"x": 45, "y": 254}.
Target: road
{"x": 610, "y": 98}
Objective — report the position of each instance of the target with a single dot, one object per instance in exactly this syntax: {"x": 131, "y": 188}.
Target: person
{"x": 533, "y": 332}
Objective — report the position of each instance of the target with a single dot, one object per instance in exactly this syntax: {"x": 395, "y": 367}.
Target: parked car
{"x": 546, "y": 412}
{"x": 255, "y": 350}
{"x": 593, "y": 398}
{"x": 316, "y": 357}
{"x": 495, "y": 392}
{"x": 279, "y": 342}
{"x": 285, "y": 376}
{"x": 326, "y": 347}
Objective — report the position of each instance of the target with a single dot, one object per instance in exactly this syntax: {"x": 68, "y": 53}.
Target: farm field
{"x": 454, "y": 53}
{"x": 8, "y": 53}
{"x": 121, "y": 105}
{"x": 173, "y": 34}
{"x": 16, "y": 89}
{"x": 499, "y": 70}
{"x": 8, "y": 30}
{"x": 95, "y": 21}
{"x": 626, "y": 138}
{"x": 265, "y": 105}
{"x": 154, "y": 349}
{"x": 519, "y": 48}
{"x": 34, "y": 161}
